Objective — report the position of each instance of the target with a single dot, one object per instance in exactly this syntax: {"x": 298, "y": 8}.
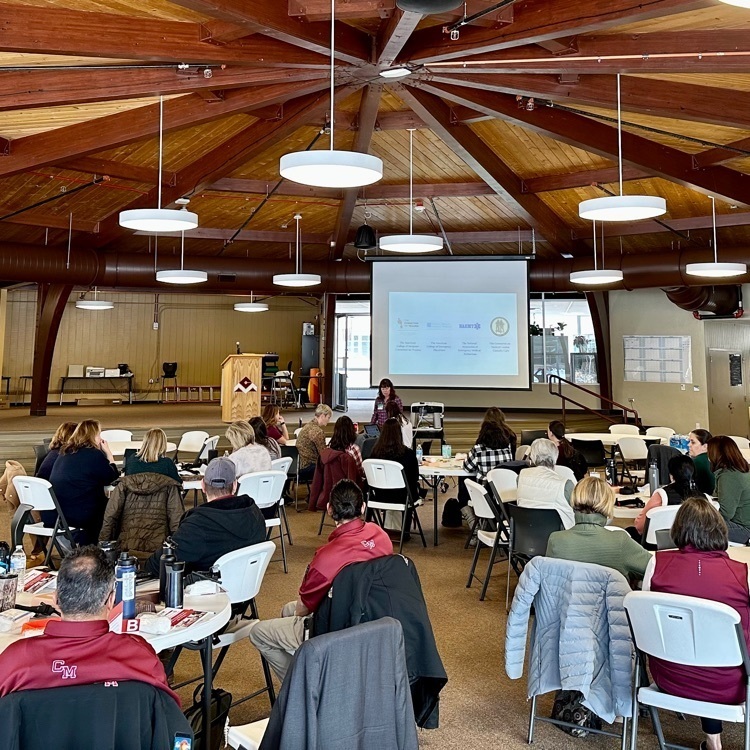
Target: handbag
{"x": 221, "y": 702}
{"x": 569, "y": 707}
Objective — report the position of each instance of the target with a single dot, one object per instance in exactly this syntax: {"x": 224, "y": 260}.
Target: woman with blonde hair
{"x": 247, "y": 455}
{"x": 151, "y": 458}
{"x": 59, "y": 439}
{"x": 588, "y": 541}
{"x": 83, "y": 469}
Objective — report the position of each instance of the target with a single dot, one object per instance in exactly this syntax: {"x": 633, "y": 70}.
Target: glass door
{"x": 352, "y": 354}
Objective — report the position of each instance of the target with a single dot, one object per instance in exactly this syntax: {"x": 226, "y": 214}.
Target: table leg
{"x": 206, "y": 651}
{"x": 435, "y": 511}
{"x": 62, "y": 390}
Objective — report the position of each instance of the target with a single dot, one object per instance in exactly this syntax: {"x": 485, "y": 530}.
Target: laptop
{"x": 372, "y": 430}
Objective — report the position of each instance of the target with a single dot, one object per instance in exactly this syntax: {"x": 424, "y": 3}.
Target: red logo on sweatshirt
{"x": 59, "y": 667}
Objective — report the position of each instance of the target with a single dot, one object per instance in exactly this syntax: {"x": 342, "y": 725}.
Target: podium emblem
{"x": 245, "y": 386}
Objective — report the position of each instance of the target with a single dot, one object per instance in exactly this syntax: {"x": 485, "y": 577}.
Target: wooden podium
{"x": 241, "y": 386}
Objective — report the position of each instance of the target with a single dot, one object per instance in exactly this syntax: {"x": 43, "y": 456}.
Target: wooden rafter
{"x": 719, "y": 155}
{"x": 394, "y": 34}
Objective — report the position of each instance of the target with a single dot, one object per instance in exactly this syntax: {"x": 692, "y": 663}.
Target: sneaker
{"x": 473, "y": 541}
{"x": 34, "y": 561}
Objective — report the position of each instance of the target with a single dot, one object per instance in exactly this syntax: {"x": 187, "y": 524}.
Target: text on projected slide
{"x": 452, "y": 334}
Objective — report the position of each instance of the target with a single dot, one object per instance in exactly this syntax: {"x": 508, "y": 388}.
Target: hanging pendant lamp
{"x": 94, "y": 304}
{"x": 596, "y": 276}
{"x": 622, "y": 207}
{"x": 715, "y": 270}
{"x": 297, "y": 279}
{"x": 738, "y": 3}
{"x": 159, "y": 219}
{"x": 251, "y": 306}
{"x": 429, "y": 7}
{"x": 411, "y": 243}
{"x": 182, "y": 275}
{"x": 331, "y": 169}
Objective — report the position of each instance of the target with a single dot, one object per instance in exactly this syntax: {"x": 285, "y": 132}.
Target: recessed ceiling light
{"x": 400, "y": 71}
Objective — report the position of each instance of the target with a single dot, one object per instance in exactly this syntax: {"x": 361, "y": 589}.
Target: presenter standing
{"x": 386, "y": 394}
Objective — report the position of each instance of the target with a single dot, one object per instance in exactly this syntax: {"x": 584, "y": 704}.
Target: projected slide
{"x": 452, "y": 334}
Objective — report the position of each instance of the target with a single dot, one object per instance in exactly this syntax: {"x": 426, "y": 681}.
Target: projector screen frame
{"x": 453, "y": 259}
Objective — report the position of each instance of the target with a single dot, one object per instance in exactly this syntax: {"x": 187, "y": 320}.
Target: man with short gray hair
{"x": 79, "y": 649}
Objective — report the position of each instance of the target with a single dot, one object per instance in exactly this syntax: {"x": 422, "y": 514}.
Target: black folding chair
{"x": 592, "y": 450}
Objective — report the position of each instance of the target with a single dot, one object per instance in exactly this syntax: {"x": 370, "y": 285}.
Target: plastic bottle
{"x": 653, "y": 476}
{"x": 125, "y": 585}
{"x": 18, "y": 566}
{"x": 419, "y": 453}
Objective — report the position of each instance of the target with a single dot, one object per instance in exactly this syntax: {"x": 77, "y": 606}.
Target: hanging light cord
{"x": 619, "y": 132}
{"x": 594, "y": 228}
{"x": 161, "y": 146}
{"x": 182, "y": 252}
{"x": 411, "y": 181}
{"x": 333, "y": 3}
{"x": 713, "y": 221}
{"x": 297, "y": 238}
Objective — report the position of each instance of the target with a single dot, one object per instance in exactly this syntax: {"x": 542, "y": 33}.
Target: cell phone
{"x": 183, "y": 742}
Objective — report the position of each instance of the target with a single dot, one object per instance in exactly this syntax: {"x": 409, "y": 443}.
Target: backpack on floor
{"x": 452, "y": 517}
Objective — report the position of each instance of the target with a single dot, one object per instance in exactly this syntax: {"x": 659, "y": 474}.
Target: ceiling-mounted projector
{"x": 428, "y": 7}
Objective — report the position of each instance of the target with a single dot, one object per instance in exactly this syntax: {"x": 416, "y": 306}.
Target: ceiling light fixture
{"x": 596, "y": 276}
{"x": 182, "y": 275}
{"x": 738, "y": 3}
{"x": 622, "y": 207}
{"x": 429, "y": 7}
{"x": 411, "y": 243}
{"x": 331, "y": 169}
{"x": 94, "y": 304}
{"x": 715, "y": 270}
{"x": 400, "y": 71}
{"x": 251, "y": 306}
{"x": 159, "y": 219}
{"x": 297, "y": 279}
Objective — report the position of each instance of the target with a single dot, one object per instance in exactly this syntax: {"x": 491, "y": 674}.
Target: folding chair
{"x": 633, "y": 452}
{"x": 624, "y": 429}
{"x": 505, "y": 482}
{"x": 742, "y": 442}
{"x": 660, "y": 432}
{"x": 117, "y": 436}
{"x": 40, "y": 452}
{"x": 689, "y": 631}
{"x": 592, "y": 450}
{"x": 529, "y": 436}
{"x": 284, "y": 464}
{"x": 389, "y": 475}
{"x": 191, "y": 442}
{"x": 658, "y": 519}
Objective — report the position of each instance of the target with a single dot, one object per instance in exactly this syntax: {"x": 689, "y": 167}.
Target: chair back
{"x": 169, "y": 369}
{"x": 566, "y": 473}
{"x": 265, "y": 487}
{"x": 478, "y": 500}
{"x": 521, "y": 452}
{"x": 529, "y": 436}
{"x": 282, "y": 464}
{"x": 209, "y": 445}
{"x": 242, "y": 570}
{"x": 290, "y": 451}
{"x": 633, "y": 448}
{"x": 660, "y": 432}
{"x": 384, "y": 475}
{"x": 530, "y": 528}
{"x": 591, "y": 450}
{"x": 686, "y": 630}
{"x": 40, "y": 451}
{"x": 35, "y": 492}
{"x": 624, "y": 429}
{"x": 658, "y": 519}
{"x": 742, "y": 442}
{"x": 505, "y": 482}
{"x": 117, "y": 436}
{"x": 297, "y": 431}
{"x": 192, "y": 442}
{"x": 367, "y": 445}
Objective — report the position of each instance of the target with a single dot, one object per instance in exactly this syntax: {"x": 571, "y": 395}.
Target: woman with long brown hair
{"x": 732, "y": 486}
{"x": 275, "y": 424}
{"x": 386, "y": 394}
{"x": 340, "y": 459}
{"x": 567, "y": 455}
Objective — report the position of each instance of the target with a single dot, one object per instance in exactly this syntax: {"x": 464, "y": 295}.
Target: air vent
{"x": 227, "y": 278}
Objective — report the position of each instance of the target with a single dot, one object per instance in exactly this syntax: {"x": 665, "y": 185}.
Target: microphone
{"x": 239, "y": 351}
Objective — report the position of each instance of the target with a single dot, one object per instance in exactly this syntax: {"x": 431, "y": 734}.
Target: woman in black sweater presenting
{"x": 83, "y": 469}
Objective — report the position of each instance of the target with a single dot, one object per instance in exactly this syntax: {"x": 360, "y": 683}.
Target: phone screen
{"x": 183, "y": 742}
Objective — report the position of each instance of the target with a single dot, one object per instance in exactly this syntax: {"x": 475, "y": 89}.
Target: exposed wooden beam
{"x": 53, "y": 221}
{"x": 598, "y": 138}
{"x": 468, "y": 146}
{"x": 735, "y": 219}
{"x": 58, "y": 31}
{"x": 582, "y": 179}
{"x": 249, "y": 235}
{"x": 394, "y": 34}
{"x": 132, "y": 125}
{"x": 320, "y": 10}
{"x": 119, "y": 170}
{"x": 368, "y": 112}
{"x": 272, "y": 20}
{"x": 685, "y": 101}
{"x": 537, "y": 21}
{"x": 720, "y": 155}
{"x": 262, "y": 187}
{"x": 28, "y": 89}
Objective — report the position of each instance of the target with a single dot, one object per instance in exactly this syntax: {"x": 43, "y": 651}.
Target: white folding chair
{"x": 297, "y": 432}
{"x": 209, "y": 445}
{"x": 191, "y": 442}
{"x": 658, "y": 519}
{"x": 660, "y": 432}
{"x": 505, "y": 482}
{"x": 521, "y": 452}
{"x": 284, "y": 464}
{"x": 267, "y": 489}
{"x": 624, "y": 429}
{"x": 117, "y": 436}
{"x": 633, "y": 451}
{"x": 39, "y": 496}
{"x": 247, "y": 736}
{"x": 566, "y": 473}
{"x": 693, "y": 632}
{"x": 742, "y": 442}
{"x": 389, "y": 475}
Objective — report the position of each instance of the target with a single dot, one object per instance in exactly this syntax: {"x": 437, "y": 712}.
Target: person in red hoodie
{"x": 79, "y": 649}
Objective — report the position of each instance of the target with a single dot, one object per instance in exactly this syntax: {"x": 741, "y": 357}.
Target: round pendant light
{"x": 622, "y": 207}
{"x": 331, "y": 169}
{"x": 715, "y": 270}
{"x": 400, "y": 71}
{"x": 596, "y": 276}
{"x": 738, "y": 3}
{"x": 159, "y": 219}
{"x": 411, "y": 243}
{"x": 297, "y": 279}
{"x": 429, "y": 7}
{"x": 182, "y": 275}
{"x": 94, "y": 304}
{"x": 251, "y": 307}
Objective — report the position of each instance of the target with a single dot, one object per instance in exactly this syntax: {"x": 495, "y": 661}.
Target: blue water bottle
{"x": 125, "y": 585}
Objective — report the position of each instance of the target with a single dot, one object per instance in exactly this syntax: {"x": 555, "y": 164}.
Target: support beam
{"x": 570, "y": 180}
{"x": 249, "y": 235}
{"x": 34, "y": 218}
{"x": 599, "y": 309}
{"x": 368, "y": 112}
{"x": 598, "y": 138}
{"x": 462, "y": 140}
{"x": 720, "y": 155}
{"x": 394, "y": 34}
{"x": 51, "y": 300}
{"x": 119, "y": 170}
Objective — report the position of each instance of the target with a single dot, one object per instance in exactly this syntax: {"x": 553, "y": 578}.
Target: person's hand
{"x": 104, "y": 445}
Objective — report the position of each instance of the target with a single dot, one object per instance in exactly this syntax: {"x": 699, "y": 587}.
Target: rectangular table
{"x": 128, "y": 378}
{"x": 437, "y": 469}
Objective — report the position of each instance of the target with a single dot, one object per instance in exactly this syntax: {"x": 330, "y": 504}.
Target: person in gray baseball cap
{"x": 225, "y": 522}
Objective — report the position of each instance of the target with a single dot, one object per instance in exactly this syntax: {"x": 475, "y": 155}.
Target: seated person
{"x": 151, "y": 458}
{"x": 700, "y": 567}
{"x": 336, "y": 463}
{"x": 542, "y": 487}
{"x": 351, "y": 541}
{"x": 225, "y": 522}
{"x": 311, "y": 442}
{"x": 275, "y": 424}
{"x": 588, "y": 541}
{"x": 79, "y": 649}
{"x": 61, "y": 436}
{"x": 262, "y": 438}
{"x": 705, "y": 481}
{"x": 247, "y": 455}
{"x": 567, "y": 455}
{"x": 732, "y": 486}
{"x": 393, "y": 410}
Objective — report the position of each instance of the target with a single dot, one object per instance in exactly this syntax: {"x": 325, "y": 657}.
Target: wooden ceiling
{"x": 514, "y": 121}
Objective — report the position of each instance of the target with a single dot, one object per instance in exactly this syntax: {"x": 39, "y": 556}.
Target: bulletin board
{"x": 658, "y": 359}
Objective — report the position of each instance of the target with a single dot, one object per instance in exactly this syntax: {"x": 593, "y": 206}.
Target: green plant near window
{"x": 580, "y": 343}
{"x": 560, "y": 327}
{"x": 535, "y": 330}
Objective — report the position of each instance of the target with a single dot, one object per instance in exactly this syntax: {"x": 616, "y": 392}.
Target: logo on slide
{"x": 499, "y": 326}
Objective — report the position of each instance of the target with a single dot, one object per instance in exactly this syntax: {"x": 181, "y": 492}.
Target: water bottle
{"x": 173, "y": 593}
{"x": 610, "y": 471}
{"x": 167, "y": 558}
{"x": 4, "y": 558}
{"x": 18, "y": 566}
{"x": 419, "y": 453}
{"x": 653, "y": 476}
{"x": 125, "y": 585}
